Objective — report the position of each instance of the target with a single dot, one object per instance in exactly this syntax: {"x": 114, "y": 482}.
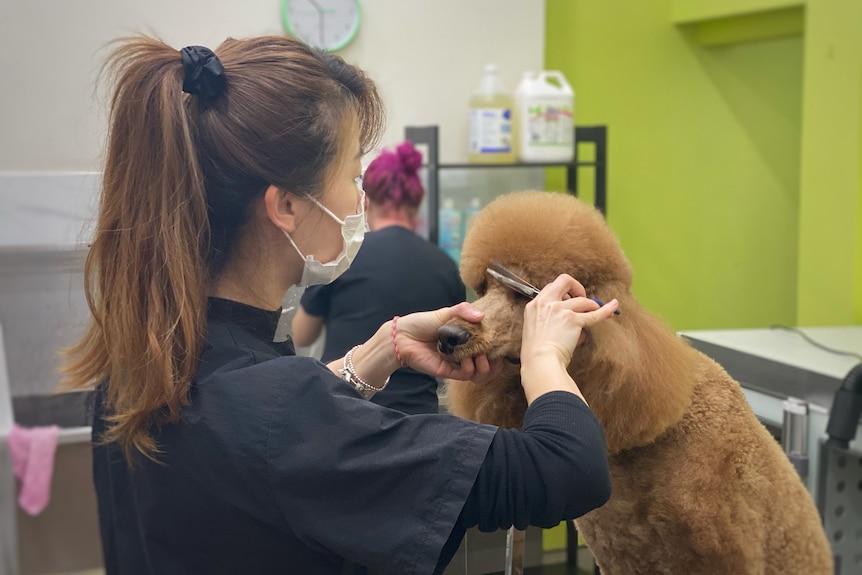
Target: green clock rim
{"x": 350, "y": 35}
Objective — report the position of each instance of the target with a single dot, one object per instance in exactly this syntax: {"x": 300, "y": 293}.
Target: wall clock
{"x": 327, "y": 24}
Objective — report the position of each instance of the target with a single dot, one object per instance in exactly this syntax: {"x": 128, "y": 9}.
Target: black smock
{"x": 278, "y": 466}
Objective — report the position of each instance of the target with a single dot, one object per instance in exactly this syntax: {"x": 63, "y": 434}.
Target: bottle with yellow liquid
{"x": 490, "y": 138}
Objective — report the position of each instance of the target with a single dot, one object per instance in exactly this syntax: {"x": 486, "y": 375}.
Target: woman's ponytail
{"x": 194, "y": 140}
{"x": 146, "y": 274}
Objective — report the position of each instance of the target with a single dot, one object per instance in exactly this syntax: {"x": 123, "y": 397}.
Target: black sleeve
{"x": 315, "y": 300}
{"x": 369, "y": 484}
{"x": 555, "y": 469}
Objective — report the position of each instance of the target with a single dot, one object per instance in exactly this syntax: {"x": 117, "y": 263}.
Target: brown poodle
{"x": 699, "y": 485}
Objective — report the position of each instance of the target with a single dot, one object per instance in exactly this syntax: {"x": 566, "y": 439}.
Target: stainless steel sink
{"x": 67, "y": 410}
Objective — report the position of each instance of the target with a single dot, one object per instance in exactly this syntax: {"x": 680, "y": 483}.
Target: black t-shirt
{"x": 279, "y": 467}
{"x": 395, "y": 272}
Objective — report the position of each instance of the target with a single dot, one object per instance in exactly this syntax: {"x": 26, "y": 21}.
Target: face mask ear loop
{"x": 359, "y": 212}
{"x": 290, "y": 239}
{"x": 327, "y": 210}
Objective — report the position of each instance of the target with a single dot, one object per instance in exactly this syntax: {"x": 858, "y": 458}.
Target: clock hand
{"x": 322, "y": 25}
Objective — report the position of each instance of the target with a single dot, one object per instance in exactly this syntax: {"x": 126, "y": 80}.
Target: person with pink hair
{"x": 396, "y": 272}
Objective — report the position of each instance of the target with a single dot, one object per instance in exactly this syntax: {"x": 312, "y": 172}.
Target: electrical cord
{"x": 816, "y": 344}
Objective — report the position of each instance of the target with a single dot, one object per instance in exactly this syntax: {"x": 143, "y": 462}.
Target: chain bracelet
{"x": 349, "y": 375}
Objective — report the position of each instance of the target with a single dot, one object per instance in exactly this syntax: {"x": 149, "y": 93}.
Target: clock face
{"x": 327, "y": 24}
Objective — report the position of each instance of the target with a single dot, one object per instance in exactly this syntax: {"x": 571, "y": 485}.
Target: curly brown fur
{"x": 699, "y": 486}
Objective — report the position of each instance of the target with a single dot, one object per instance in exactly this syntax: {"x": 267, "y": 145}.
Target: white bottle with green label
{"x": 545, "y": 109}
{"x": 490, "y": 132}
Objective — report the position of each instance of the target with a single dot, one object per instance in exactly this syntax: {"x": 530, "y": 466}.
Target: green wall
{"x": 830, "y": 249}
{"x": 857, "y": 280}
{"x": 705, "y": 155}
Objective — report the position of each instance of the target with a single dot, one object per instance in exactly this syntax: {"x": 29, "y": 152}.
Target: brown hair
{"x": 179, "y": 176}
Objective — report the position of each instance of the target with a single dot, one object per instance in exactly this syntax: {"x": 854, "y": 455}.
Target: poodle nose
{"x": 451, "y": 336}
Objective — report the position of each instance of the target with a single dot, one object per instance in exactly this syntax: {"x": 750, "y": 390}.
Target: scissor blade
{"x": 521, "y": 288}
{"x": 503, "y": 270}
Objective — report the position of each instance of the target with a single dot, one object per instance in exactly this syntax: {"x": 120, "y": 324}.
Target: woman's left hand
{"x": 417, "y": 343}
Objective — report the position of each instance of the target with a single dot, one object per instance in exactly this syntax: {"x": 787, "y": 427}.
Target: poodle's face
{"x": 499, "y": 334}
{"x": 500, "y": 402}
{"x": 538, "y": 236}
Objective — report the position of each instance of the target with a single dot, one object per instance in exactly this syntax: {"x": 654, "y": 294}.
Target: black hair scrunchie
{"x": 203, "y": 73}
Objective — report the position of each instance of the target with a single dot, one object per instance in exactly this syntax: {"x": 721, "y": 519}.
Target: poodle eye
{"x": 481, "y": 289}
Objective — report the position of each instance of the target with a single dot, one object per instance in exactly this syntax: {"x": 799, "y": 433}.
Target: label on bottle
{"x": 550, "y": 126}
{"x": 490, "y": 131}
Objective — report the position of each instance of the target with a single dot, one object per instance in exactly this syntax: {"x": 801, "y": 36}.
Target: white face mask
{"x": 315, "y": 272}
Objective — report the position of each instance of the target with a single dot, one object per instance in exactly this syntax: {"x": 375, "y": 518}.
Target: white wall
{"x": 426, "y": 57}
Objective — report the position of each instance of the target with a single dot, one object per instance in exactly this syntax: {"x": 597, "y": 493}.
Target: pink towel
{"x": 32, "y": 451}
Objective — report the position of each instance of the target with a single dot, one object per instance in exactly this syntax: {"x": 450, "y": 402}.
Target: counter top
{"x": 781, "y": 362}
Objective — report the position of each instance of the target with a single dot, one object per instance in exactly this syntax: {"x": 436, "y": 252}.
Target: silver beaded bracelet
{"x": 348, "y": 374}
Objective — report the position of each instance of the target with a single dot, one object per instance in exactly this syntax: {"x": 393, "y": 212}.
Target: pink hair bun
{"x": 411, "y": 159}
{"x": 392, "y": 178}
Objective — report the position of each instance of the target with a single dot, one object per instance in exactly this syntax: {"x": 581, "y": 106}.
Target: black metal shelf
{"x": 516, "y": 165}
{"x": 595, "y": 135}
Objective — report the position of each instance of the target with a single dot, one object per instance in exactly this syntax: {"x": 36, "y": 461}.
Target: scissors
{"x": 516, "y": 283}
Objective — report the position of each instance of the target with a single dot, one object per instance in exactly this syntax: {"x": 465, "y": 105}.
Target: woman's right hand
{"x": 418, "y": 340}
{"x": 554, "y": 320}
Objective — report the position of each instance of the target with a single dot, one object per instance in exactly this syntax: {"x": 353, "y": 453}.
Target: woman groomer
{"x": 228, "y": 179}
